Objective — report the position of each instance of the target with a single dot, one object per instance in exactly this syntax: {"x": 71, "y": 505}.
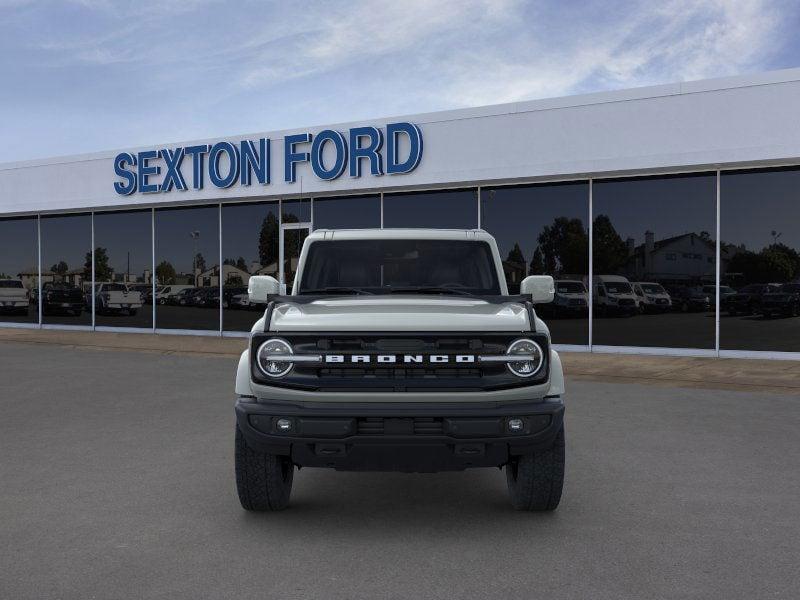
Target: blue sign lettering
{"x": 329, "y": 153}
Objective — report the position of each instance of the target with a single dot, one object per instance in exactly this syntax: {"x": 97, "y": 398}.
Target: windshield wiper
{"x": 336, "y": 290}
{"x": 426, "y": 289}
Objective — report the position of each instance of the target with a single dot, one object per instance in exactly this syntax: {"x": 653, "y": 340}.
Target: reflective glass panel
{"x": 296, "y": 211}
{"x": 543, "y": 230}
{"x": 66, "y": 269}
{"x": 654, "y": 260}
{"x": 123, "y": 264}
{"x": 249, "y": 247}
{"x": 760, "y": 260}
{"x": 187, "y": 268}
{"x": 351, "y": 212}
{"x": 19, "y": 270}
{"x": 448, "y": 209}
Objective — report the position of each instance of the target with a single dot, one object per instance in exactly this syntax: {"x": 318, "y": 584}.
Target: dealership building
{"x": 669, "y": 216}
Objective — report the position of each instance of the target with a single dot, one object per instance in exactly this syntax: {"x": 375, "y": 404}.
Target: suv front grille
{"x": 402, "y": 375}
{"x": 415, "y": 426}
{"x": 412, "y": 373}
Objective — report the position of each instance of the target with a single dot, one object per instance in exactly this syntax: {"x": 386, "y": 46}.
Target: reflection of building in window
{"x": 673, "y": 259}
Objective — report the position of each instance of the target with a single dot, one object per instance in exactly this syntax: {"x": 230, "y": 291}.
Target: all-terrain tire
{"x": 535, "y": 480}
{"x": 263, "y": 481}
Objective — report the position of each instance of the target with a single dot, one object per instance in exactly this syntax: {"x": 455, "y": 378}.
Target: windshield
{"x": 618, "y": 288}
{"x": 652, "y": 288}
{"x": 393, "y": 266}
{"x": 10, "y": 283}
{"x": 112, "y": 287}
{"x": 570, "y": 287}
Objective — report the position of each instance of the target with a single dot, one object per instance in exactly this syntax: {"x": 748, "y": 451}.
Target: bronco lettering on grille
{"x": 396, "y": 358}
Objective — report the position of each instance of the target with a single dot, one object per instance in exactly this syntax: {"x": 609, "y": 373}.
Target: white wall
{"x": 725, "y": 122}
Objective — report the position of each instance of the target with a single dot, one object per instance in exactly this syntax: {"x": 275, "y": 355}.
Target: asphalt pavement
{"x": 116, "y": 481}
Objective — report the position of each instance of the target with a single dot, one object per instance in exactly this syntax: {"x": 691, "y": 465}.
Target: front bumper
{"x": 411, "y": 437}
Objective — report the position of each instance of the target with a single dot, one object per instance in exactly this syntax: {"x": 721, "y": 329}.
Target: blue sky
{"x": 88, "y": 75}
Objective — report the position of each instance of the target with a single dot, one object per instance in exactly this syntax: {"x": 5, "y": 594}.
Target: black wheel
{"x": 263, "y": 481}
{"x": 535, "y": 480}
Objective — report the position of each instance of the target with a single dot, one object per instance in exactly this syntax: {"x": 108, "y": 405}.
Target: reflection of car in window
{"x": 747, "y": 300}
{"x": 14, "y": 298}
{"x": 725, "y": 292}
{"x": 571, "y": 299}
{"x": 62, "y": 298}
{"x": 613, "y": 294}
{"x": 651, "y": 297}
{"x": 166, "y": 295}
{"x": 783, "y": 301}
{"x": 232, "y": 296}
{"x": 114, "y": 298}
{"x": 689, "y": 299}
{"x": 205, "y": 297}
{"x": 182, "y": 297}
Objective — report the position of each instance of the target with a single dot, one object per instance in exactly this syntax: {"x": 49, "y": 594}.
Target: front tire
{"x": 535, "y": 480}
{"x": 263, "y": 481}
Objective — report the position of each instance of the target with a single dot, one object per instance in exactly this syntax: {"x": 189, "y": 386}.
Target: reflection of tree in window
{"x": 199, "y": 262}
{"x": 610, "y": 253}
{"x": 165, "y": 273}
{"x": 563, "y": 248}
{"x": 268, "y": 241}
{"x": 777, "y": 262}
{"x": 514, "y": 266}
{"x": 102, "y": 270}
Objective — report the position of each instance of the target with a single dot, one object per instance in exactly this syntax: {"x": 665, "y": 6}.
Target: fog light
{"x": 515, "y": 424}
{"x": 283, "y": 424}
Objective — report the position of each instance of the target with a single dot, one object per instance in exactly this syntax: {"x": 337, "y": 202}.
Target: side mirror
{"x": 261, "y": 286}
{"x": 540, "y": 287}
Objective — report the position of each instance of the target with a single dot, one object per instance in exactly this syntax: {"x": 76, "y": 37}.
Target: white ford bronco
{"x": 399, "y": 350}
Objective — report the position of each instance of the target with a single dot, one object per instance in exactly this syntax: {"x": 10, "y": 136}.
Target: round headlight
{"x": 268, "y": 357}
{"x": 534, "y": 358}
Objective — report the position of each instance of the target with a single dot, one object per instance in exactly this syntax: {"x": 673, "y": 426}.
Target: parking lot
{"x": 117, "y": 482}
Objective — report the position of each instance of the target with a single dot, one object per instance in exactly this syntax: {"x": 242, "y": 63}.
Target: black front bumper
{"x": 411, "y": 437}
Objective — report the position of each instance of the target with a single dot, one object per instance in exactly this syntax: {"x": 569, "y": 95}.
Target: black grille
{"x": 411, "y": 373}
{"x": 417, "y": 426}
{"x": 402, "y": 376}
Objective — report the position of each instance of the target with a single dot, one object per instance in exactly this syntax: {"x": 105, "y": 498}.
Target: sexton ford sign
{"x": 225, "y": 164}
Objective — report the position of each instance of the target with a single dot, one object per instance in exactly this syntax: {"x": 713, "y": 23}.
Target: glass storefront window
{"x": 67, "y": 269}
{"x": 760, "y": 260}
{"x": 249, "y": 247}
{"x": 654, "y": 261}
{"x": 349, "y": 212}
{"x": 123, "y": 265}
{"x": 296, "y": 211}
{"x": 446, "y": 209}
{"x": 19, "y": 270}
{"x": 543, "y": 230}
{"x": 187, "y": 268}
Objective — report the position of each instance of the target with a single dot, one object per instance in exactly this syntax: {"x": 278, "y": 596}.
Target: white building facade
{"x": 689, "y": 184}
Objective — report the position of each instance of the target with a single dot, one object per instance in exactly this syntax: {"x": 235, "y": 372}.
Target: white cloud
{"x": 674, "y": 41}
